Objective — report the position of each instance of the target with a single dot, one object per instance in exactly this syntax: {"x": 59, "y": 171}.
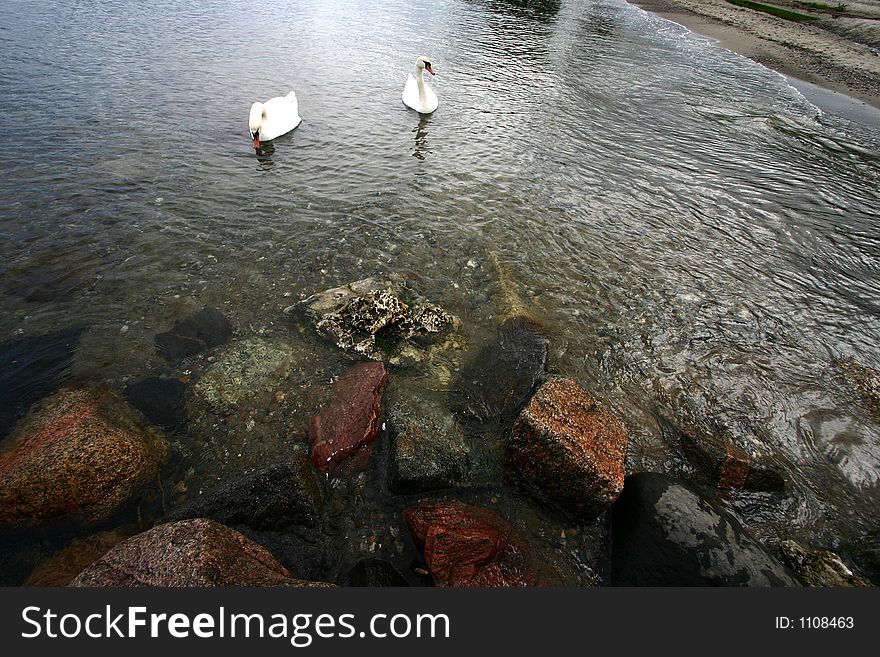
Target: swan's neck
{"x": 420, "y": 84}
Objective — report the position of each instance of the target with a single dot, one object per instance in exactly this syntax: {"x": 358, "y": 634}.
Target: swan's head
{"x": 255, "y": 121}
{"x": 424, "y": 64}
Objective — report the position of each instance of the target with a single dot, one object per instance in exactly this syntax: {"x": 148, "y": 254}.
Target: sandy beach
{"x": 839, "y": 51}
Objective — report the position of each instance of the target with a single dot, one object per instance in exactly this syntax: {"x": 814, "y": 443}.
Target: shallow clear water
{"x": 690, "y": 229}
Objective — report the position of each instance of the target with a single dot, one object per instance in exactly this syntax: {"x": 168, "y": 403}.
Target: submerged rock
{"x": 428, "y": 448}
{"x": 721, "y": 463}
{"x": 466, "y": 545}
{"x": 362, "y": 316}
{"x": 79, "y": 458}
{"x": 818, "y": 567}
{"x": 205, "y": 330}
{"x": 306, "y": 552}
{"x": 866, "y": 381}
{"x": 195, "y": 552}
{"x": 570, "y": 448}
{"x": 498, "y": 382}
{"x": 352, "y": 419}
{"x": 246, "y": 368}
{"x": 32, "y": 368}
{"x": 665, "y": 534}
{"x": 273, "y": 498}
{"x": 162, "y": 401}
{"x": 375, "y": 572}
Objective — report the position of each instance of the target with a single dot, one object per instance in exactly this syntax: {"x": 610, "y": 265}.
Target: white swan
{"x": 276, "y": 117}
{"x": 417, "y": 94}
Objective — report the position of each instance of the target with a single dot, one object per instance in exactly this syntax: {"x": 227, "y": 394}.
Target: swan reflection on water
{"x": 264, "y": 153}
{"x": 421, "y": 150}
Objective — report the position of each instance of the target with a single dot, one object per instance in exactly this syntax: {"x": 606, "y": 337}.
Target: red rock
{"x": 79, "y": 457}
{"x": 197, "y": 552}
{"x": 466, "y": 545}
{"x": 569, "y": 447}
{"x": 352, "y": 419}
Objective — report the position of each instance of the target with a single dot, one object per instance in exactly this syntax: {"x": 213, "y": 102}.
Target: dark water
{"x": 695, "y": 235}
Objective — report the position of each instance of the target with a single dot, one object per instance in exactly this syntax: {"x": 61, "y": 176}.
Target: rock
{"x": 80, "y": 457}
{"x": 721, "y": 463}
{"x": 428, "y": 449}
{"x": 207, "y": 329}
{"x": 352, "y": 419}
{"x": 498, "y": 382}
{"x": 306, "y": 552}
{"x": 197, "y": 552}
{"x": 32, "y": 368}
{"x": 818, "y": 567}
{"x": 570, "y": 448}
{"x": 273, "y": 498}
{"x": 466, "y": 545}
{"x": 375, "y": 572}
{"x": 246, "y": 368}
{"x": 162, "y": 401}
{"x": 866, "y": 381}
{"x": 353, "y": 315}
{"x": 79, "y": 554}
{"x": 665, "y": 534}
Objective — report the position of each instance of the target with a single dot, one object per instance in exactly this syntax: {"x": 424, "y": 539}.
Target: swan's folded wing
{"x": 410, "y": 95}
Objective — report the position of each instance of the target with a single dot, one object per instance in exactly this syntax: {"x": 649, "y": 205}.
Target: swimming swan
{"x": 276, "y": 117}
{"x": 417, "y": 94}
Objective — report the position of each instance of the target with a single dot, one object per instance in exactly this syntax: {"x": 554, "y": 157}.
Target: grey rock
{"x": 274, "y": 498}
{"x": 207, "y": 329}
{"x": 428, "y": 449}
{"x": 375, "y": 572}
{"x": 665, "y": 534}
{"x": 248, "y": 367}
{"x": 162, "y": 401}
{"x": 494, "y": 386}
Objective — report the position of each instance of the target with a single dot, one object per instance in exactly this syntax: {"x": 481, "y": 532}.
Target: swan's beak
{"x": 256, "y": 137}
{"x": 429, "y": 69}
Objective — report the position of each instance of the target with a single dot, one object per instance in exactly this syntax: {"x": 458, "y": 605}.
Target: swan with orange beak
{"x": 276, "y": 117}
{"x": 417, "y": 94}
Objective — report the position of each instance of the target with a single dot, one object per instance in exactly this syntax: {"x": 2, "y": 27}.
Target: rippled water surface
{"x": 696, "y": 237}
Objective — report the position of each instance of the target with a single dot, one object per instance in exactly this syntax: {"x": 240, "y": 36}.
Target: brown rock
{"x": 726, "y": 465}
{"x": 467, "y": 545}
{"x": 352, "y": 419}
{"x": 79, "y": 457}
{"x": 79, "y": 554}
{"x": 570, "y": 448}
{"x": 197, "y": 552}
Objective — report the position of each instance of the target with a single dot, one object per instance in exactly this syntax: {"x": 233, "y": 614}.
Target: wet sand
{"x": 840, "y": 53}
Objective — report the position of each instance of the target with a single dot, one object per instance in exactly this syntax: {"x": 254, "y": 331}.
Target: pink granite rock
{"x": 196, "y": 552}
{"x": 79, "y": 457}
{"x": 569, "y": 447}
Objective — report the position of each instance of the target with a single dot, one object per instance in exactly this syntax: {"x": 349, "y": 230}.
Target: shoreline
{"x": 822, "y": 53}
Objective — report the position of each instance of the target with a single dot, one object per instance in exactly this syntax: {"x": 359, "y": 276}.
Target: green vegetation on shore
{"x": 839, "y": 8}
{"x": 776, "y": 11}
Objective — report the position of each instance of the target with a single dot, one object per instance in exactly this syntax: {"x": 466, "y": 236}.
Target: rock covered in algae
{"x": 363, "y": 316}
